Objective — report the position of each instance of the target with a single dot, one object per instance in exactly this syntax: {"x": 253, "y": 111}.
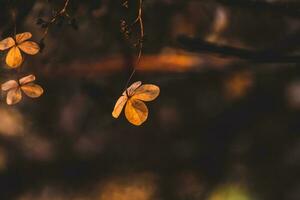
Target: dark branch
{"x": 287, "y": 8}
{"x": 200, "y": 46}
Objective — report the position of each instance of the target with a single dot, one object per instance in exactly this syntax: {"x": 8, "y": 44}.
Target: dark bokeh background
{"x": 222, "y": 128}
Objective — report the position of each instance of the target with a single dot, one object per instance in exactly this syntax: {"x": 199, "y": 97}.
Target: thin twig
{"x": 62, "y": 12}
{"x": 139, "y": 20}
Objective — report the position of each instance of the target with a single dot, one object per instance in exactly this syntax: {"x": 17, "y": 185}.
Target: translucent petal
{"x": 29, "y": 47}
{"x": 132, "y": 88}
{"x": 146, "y": 92}
{"x": 13, "y": 96}
{"x": 14, "y": 58}
{"x": 21, "y": 37}
{"x": 136, "y": 111}
{"x": 27, "y": 79}
{"x": 32, "y": 90}
{"x": 11, "y": 84}
{"x": 119, "y": 106}
{"x": 7, "y": 43}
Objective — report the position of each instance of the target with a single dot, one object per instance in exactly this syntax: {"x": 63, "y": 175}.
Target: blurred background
{"x": 225, "y": 126}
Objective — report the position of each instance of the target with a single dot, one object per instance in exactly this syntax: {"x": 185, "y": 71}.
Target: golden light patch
{"x": 135, "y": 187}
{"x": 14, "y": 57}
{"x": 238, "y": 85}
{"x": 12, "y": 123}
{"x": 230, "y": 192}
{"x": 132, "y": 98}
{"x": 14, "y": 89}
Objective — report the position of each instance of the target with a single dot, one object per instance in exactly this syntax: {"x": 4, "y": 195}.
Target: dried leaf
{"x": 29, "y": 47}
{"x": 14, "y": 96}
{"x": 119, "y": 106}
{"x": 146, "y": 92}
{"x": 132, "y": 88}
{"x": 21, "y": 37}
{"x": 14, "y": 58}
{"x": 11, "y": 84}
{"x": 7, "y": 43}
{"x": 27, "y": 79}
{"x": 32, "y": 90}
{"x": 136, "y": 111}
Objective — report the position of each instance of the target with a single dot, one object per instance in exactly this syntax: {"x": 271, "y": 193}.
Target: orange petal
{"x": 7, "y": 43}
{"x": 13, "y": 96}
{"x": 11, "y": 84}
{"x": 14, "y": 58}
{"x": 132, "y": 88}
{"x": 29, "y": 47}
{"x": 146, "y": 92}
{"x": 27, "y": 79}
{"x": 136, "y": 111}
{"x": 119, "y": 106}
{"x": 32, "y": 90}
{"x": 21, "y": 37}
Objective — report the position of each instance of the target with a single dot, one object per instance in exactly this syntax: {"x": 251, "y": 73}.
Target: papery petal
{"x": 136, "y": 112}
{"x": 14, "y": 96}
{"x": 21, "y": 37}
{"x": 7, "y": 43}
{"x": 11, "y": 84}
{"x": 32, "y": 90}
{"x": 27, "y": 79}
{"x": 119, "y": 106}
{"x": 146, "y": 92}
{"x": 29, "y": 47}
{"x": 14, "y": 58}
{"x": 130, "y": 90}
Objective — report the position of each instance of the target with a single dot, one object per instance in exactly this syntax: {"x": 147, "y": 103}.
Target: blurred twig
{"x": 198, "y": 45}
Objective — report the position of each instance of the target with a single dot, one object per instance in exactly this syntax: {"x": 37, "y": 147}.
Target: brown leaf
{"x": 14, "y": 96}
{"x": 7, "y": 43}
{"x": 119, "y": 106}
{"x": 147, "y": 92}
{"x": 21, "y": 37}
{"x": 29, "y": 47}
{"x": 136, "y": 112}
{"x": 32, "y": 90}
{"x": 14, "y": 58}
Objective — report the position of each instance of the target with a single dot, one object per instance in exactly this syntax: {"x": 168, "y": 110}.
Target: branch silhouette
{"x": 261, "y": 56}
{"x": 291, "y": 9}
